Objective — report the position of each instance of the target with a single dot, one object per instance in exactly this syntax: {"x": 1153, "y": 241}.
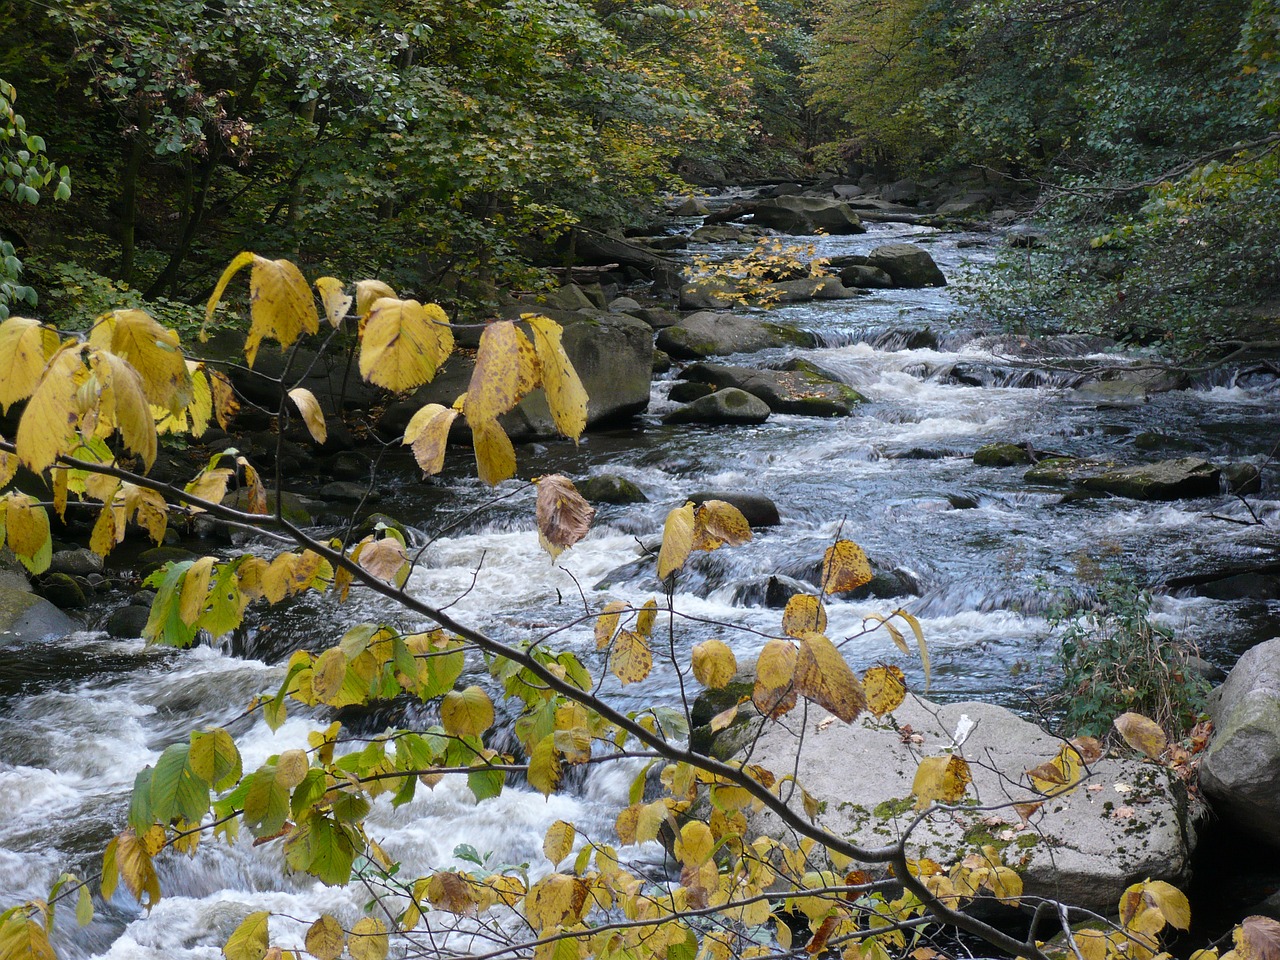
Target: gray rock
{"x": 1063, "y": 471}
{"x": 907, "y": 264}
{"x": 803, "y": 390}
{"x": 626, "y": 305}
{"x": 1240, "y": 771}
{"x": 865, "y": 277}
{"x": 690, "y": 207}
{"x": 1242, "y": 478}
{"x": 1084, "y": 848}
{"x": 25, "y": 617}
{"x": 349, "y": 465}
{"x": 706, "y": 296}
{"x": 758, "y": 509}
{"x": 709, "y": 334}
{"x": 901, "y": 191}
{"x": 1001, "y": 455}
{"x": 662, "y": 361}
{"x": 716, "y": 233}
{"x": 1119, "y": 383}
{"x": 807, "y": 215}
{"x": 79, "y": 562}
{"x": 812, "y": 288}
{"x": 657, "y": 318}
{"x": 153, "y": 558}
{"x": 729, "y": 406}
{"x": 294, "y": 508}
{"x": 569, "y": 297}
{"x": 610, "y": 488}
{"x": 1166, "y": 480}
{"x": 847, "y": 191}
{"x": 345, "y": 491}
{"x": 63, "y": 591}
{"x": 127, "y": 622}
{"x": 686, "y": 391}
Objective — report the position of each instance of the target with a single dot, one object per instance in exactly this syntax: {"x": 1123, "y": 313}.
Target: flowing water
{"x": 979, "y": 552}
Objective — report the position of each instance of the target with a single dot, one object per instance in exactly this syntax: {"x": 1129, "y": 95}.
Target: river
{"x": 985, "y": 551}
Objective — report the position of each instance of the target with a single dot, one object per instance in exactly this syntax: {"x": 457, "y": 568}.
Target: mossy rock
{"x": 1001, "y": 455}
{"x": 610, "y": 488}
{"x": 1060, "y": 471}
{"x": 294, "y": 508}
{"x": 63, "y": 591}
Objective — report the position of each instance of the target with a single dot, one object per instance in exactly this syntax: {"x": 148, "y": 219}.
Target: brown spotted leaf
{"x": 886, "y": 688}
{"x": 844, "y": 567}
{"x": 563, "y": 516}
{"x": 823, "y": 676}
{"x": 774, "y": 693}
{"x": 804, "y": 614}
{"x": 940, "y": 780}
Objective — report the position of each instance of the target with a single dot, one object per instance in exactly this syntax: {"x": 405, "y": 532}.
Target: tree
{"x": 93, "y": 402}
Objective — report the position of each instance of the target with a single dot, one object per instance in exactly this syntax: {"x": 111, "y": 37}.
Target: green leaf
{"x": 215, "y": 758}
{"x": 321, "y": 847}
{"x": 140, "y": 815}
{"x": 176, "y": 790}
{"x": 249, "y": 941}
{"x": 266, "y": 804}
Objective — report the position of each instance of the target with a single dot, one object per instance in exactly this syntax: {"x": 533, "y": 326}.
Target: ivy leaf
{"x": 713, "y": 664}
{"x": 404, "y": 342}
{"x": 563, "y": 516}
{"x": 249, "y": 940}
{"x": 312, "y": 416}
{"x": 428, "y": 435}
{"x": 25, "y": 348}
{"x": 823, "y": 676}
{"x": 466, "y": 713}
{"x": 565, "y": 394}
{"x": 844, "y": 567}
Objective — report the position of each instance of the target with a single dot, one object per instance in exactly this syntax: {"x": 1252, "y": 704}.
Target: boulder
{"x": 687, "y": 391}
{"x": 63, "y": 591}
{"x": 610, "y": 488}
{"x": 808, "y": 215}
{"x": 690, "y": 207}
{"x": 126, "y": 623}
{"x": 709, "y": 334}
{"x": 1240, "y": 769}
{"x": 1001, "y": 455}
{"x": 812, "y": 288}
{"x": 78, "y": 562}
{"x": 863, "y": 276}
{"x": 1063, "y": 471}
{"x": 706, "y": 295}
{"x": 908, "y": 265}
{"x": 25, "y": 617}
{"x": 1120, "y": 383}
{"x": 626, "y": 305}
{"x": 1083, "y": 848}
{"x": 716, "y": 233}
{"x": 901, "y": 191}
{"x": 729, "y": 406}
{"x": 1166, "y": 480}
{"x": 758, "y": 509}
{"x": 803, "y": 390}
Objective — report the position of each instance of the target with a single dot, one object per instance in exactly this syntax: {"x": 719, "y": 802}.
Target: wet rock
{"x": 1241, "y": 479}
{"x": 1001, "y": 455}
{"x": 691, "y": 207}
{"x": 1061, "y": 471}
{"x": 349, "y": 465}
{"x": 152, "y": 559}
{"x": 79, "y": 562}
{"x": 1241, "y": 767}
{"x": 610, "y": 488}
{"x": 717, "y": 233}
{"x": 375, "y": 523}
{"x": 345, "y": 491}
{"x": 657, "y": 318}
{"x": 807, "y": 215}
{"x": 901, "y": 191}
{"x": 294, "y": 508}
{"x": 1080, "y": 851}
{"x": 758, "y": 509}
{"x": 802, "y": 390}
{"x": 625, "y": 305}
{"x": 570, "y": 297}
{"x": 865, "y": 277}
{"x": 126, "y": 623}
{"x": 812, "y": 288}
{"x": 63, "y": 591}
{"x": 707, "y": 295}
{"x": 1119, "y": 383}
{"x": 686, "y": 391}
{"x": 908, "y": 265}
{"x": 662, "y": 361}
{"x": 25, "y": 617}
{"x": 709, "y": 334}
{"x": 730, "y": 407}
{"x": 1166, "y": 480}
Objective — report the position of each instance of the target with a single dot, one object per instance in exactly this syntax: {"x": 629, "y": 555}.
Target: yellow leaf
{"x": 823, "y": 676}
{"x": 804, "y": 614}
{"x": 428, "y": 436}
{"x": 48, "y": 425}
{"x": 1142, "y": 734}
{"x": 312, "y": 416}
{"x": 150, "y": 349}
{"x": 210, "y": 485}
{"x": 328, "y": 673}
{"x": 886, "y": 688}
{"x": 123, "y": 404}
{"x": 368, "y": 940}
{"x": 384, "y": 558}
{"x": 495, "y": 456}
{"x": 545, "y": 766}
{"x": 717, "y": 523}
{"x": 630, "y": 658}
{"x": 844, "y": 567}
{"x": 9, "y": 468}
{"x": 26, "y": 525}
{"x": 25, "y": 348}
{"x": 466, "y": 713}
{"x": 607, "y": 623}
{"x": 940, "y": 780}
{"x": 774, "y": 692}
{"x": 646, "y": 617}
{"x": 147, "y": 507}
{"x": 451, "y": 892}
{"x": 558, "y": 842}
{"x": 336, "y": 303}
{"x": 368, "y": 293}
{"x": 325, "y": 938}
{"x": 195, "y": 590}
{"x": 249, "y": 940}
{"x": 677, "y": 541}
{"x": 281, "y": 305}
{"x": 914, "y": 624}
{"x": 495, "y": 380}
{"x": 403, "y": 344}
{"x": 555, "y": 901}
{"x": 1163, "y": 898}
{"x": 1092, "y": 944}
{"x": 563, "y": 516}
{"x": 695, "y": 844}
{"x": 565, "y": 395}
{"x": 136, "y": 868}
{"x": 225, "y": 404}
{"x": 713, "y": 663}
{"x": 291, "y": 768}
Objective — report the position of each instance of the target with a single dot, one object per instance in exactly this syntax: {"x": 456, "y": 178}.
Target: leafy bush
{"x": 1116, "y": 659}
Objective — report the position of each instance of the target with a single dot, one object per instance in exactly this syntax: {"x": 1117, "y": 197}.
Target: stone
{"x": 662, "y": 361}
{"x": 901, "y": 191}
{"x": 610, "y": 488}
{"x": 908, "y": 265}
{"x": 1240, "y": 769}
{"x": 658, "y": 318}
{"x": 374, "y": 523}
{"x": 1062, "y": 471}
{"x": 79, "y": 562}
{"x": 153, "y": 558}
{"x": 709, "y": 334}
{"x": 1242, "y": 478}
{"x": 758, "y": 509}
{"x": 570, "y": 297}
{"x": 730, "y": 406}
{"x": 126, "y": 623}
{"x": 25, "y": 617}
{"x": 1084, "y": 847}
{"x": 812, "y": 288}
{"x": 294, "y": 508}
{"x": 625, "y": 305}
{"x": 803, "y": 390}
{"x": 1001, "y": 455}
{"x": 1166, "y": 480}
{"x": 690, "y": 207}
{"x": 862, "y": 276}
{"x": 847, "y": 191}
{"x": 63, "y": 591}
{"x": 349, "y": 465}
{"x": 707, "y": 295}
{"x": 345, "y": 491}
{"x": 716, "y": 233}
{"x": 1120, "y": 383}
{"x": 808, "y": 215}
{"x": 686, "y": 391}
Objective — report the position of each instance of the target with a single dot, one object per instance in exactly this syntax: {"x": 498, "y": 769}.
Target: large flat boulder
{"x": 24, "y": 617}
{"x": 1127, "y": 822}
{"x": 802, "y": 390}
{"x": 711, "y": 334}
{"x": 729, "y": 407}
{"x": 1240, "y": 771}
{"x": 1165, "y": 480}
{"x": 807, "y": 215}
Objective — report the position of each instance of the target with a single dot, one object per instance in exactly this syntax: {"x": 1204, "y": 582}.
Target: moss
{"x": 1001, "y": 455}
{"x": 888, "y": 809}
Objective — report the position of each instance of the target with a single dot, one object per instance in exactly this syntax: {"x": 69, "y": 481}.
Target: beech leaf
{"x": 404, "y": 342}
{"x": 804, "y": 614}
{"x": 563, "y": 516}
{"x": 25, "y": 348}
{"x": 844, "y": 567}
{"x": 1141, "y": 733}
{"x": 312, "y": 416}
{"x": 823, "y": 676}
{"x": 466, "y": 713}
{"x": 886, "y": 688}
{"x": 774, "y": 692}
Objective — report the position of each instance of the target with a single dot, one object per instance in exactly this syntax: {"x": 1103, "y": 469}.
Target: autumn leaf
{"x": 325, "y": 938}
{"x": 495, "y": 456}
{"x": 25, "y": 348}
{"x": 26, "y": 525}
{"x": 630, "y": 658}
{"x": 886, "y": 688}
{"x": 404, "y": 342}
{"x": 384, "y": 559}
{"x": 713, "y": 664}
{"x": 804, "y": 614}
{"x": 940, "y": 780}
{"x": 48, "y": 425}
{"x": 566, "y": 397}
{"x": 774, "y": 692}
{"x": 150, "y": 349}
{"x": 249, "y": 940}
{"x": 336, "y": 303}
{"x": 368, "y": 940}
{"x": 1141, "y": 733}
{"x": 368, "y": 293}
{"x": 823, "y": 676}
{"x": 312, "y": 416}
{"x": 281, "y": 305}
{"x": 563, "y": 516}
{"x": 717, "y": 523}
{"x": 428, "y": 436}
{"x": 555, "y": 901}
{"x": 495, "y": 380}
{"x": 607, "y": 623}
{"x": 677, "y": 541}
{"x": 466, "y": 713}
{"x": 1257, "y": 938}
{"x": 122, "y": 404}
{"x": 558, "y": 842}
{"x": 844, "y": 567}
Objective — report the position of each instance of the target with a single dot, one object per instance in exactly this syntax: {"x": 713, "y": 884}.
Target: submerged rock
{"x": 1166, "y": 480}
{"x": 1002, "y": 454}
{"x": 1240, "y": 770}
